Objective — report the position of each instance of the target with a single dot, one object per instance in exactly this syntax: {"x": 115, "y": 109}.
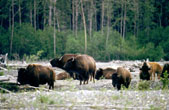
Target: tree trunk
{"x": 121, "y": 24}
{"x": 31, "y": 13}
{"x": 90, "y": 19}
{"x": 50, "y": 13}
{"x": 124, "y": 20}
{"x": 35, "y": 14}
{"x": 84, "y": 24}
{"x": 12, "y": 32}
{"x": 76, "y": 17}
{"x": 20, "y": 14}
{"x": 108, "y": 24}
{"x": 54, "y": 28}
{"x": 73, "y": 16}
{"x": 57, "y": 19}
{"x": 9, "y": 16}
{"x": 44, "y": 14}
{"x": 102, "y": 16}
{"x": 95, "y": 11}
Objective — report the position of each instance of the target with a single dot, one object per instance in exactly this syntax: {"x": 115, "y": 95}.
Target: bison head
{"x": 22, "y": 76}
{"x": 99, "y": 73}
{"x": 144, "y": 73}
{"x": 70, "y": 66}
{"x": 116, "y": 81}
{"x": 56, "y": 62}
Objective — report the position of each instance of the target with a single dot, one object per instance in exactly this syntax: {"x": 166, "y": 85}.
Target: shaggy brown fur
{"x": 122, "y": 77}
{"x": 83, "y": 66}
{"x": 106, "y": 73}
{"x": 36, "y": 74}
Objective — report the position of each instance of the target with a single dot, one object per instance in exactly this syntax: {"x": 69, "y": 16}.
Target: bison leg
{"x": 51, "y": 85}
{"x": 93, "y": 77}
{"x": 80, "y": 82}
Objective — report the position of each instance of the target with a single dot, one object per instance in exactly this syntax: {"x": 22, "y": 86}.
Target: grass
{"x": 1, "y": 73}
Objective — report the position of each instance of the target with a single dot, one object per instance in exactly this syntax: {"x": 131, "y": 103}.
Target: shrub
{"x": 165, "y": 80}
{"x": 144, "y": 85}
{"x": 1, "y": 73}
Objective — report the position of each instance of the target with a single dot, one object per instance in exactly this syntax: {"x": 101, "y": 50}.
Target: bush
{"x": 1, "y": 73}
{"x": 165, "y": 80}
{"x": 144, "y": 85}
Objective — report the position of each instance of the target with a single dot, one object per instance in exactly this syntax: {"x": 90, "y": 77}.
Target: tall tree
{"x": 20, "y": 13}
{"x": 91, "y": 18}
{"x": 12, "y": 32}
{"x": 34, "y": 14}
{"x": 76, "y": 16}
{"x": 84, "y": 24}
{"x": 54, "y": 27}
{"x": 102, "y": 16}
{"x": 50, "y": 13}
{"x": 124, "y": 19}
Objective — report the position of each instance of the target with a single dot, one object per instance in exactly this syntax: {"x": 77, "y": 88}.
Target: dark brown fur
{"x": 122, "y": 77}
{"x": 36, "y": 74}
{"x": 60, "y": 62}
{"x": 83, "y": 66}
{"x": 165, "y": 68}
{"x": 106, "y": 73}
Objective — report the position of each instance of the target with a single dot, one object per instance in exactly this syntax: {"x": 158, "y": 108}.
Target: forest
{"x": 105, "y": 29}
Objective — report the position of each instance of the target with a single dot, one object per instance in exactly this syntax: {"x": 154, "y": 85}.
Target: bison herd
{"x": 83, "y": 67}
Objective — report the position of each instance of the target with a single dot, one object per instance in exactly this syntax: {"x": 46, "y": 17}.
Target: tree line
{"x": 104, "y": 29}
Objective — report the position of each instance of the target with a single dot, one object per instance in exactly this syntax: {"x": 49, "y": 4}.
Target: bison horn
{"x": 60, "y": 58}
{"x": 73, "y": 59}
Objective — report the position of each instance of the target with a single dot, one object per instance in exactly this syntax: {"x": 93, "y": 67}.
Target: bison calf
{"x": 106, "y": 73}
{"x": 62, "y": 76}
{"x": 121, "y": 77}
{"x": 36, "y": 74}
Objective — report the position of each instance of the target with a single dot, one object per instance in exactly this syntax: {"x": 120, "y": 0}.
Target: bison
{"x": 60, "y": 62}
{"x": 165, "y": 68}
{"x": 83, "y": 66}
{"x": 106, "y": 73}
{"x": 144, "y": 72}
{"x": 152, "y": 68}
{"x": 36, "y": 74}
{"x": 121, "y": 77}
{"x": 62, "y": 76}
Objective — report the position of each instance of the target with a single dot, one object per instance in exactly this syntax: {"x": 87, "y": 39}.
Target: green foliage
{"x": 1, "y": 73}
{"x": 144, "y": 85}
{"x": 165, "y": 80}
{"x": 45, "y": 99}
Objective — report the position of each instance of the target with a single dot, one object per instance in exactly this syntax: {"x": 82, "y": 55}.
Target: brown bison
{"x": 36, "y": 74}
{"x": 60, "y": 62}
{"x": 62, "y": 76}
{"x": 165, "y": 68}
{"x": 153, "y": 68}
{"x": 106, "y": 73}
{"x": 83, "y": 66}
{"x": 121, "y": 77}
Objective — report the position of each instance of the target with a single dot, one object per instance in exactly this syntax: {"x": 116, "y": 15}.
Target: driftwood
{"x": 2, "y": 68}
{"x": 5, "y": 90}
{"x": 3, "y": 78}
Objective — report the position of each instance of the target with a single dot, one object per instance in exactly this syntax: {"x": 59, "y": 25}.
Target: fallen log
{"x": 5, "y": 90}
{"x": 4, "y": 78}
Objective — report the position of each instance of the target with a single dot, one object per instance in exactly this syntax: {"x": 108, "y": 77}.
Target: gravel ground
{"x": 68, "y": 94}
